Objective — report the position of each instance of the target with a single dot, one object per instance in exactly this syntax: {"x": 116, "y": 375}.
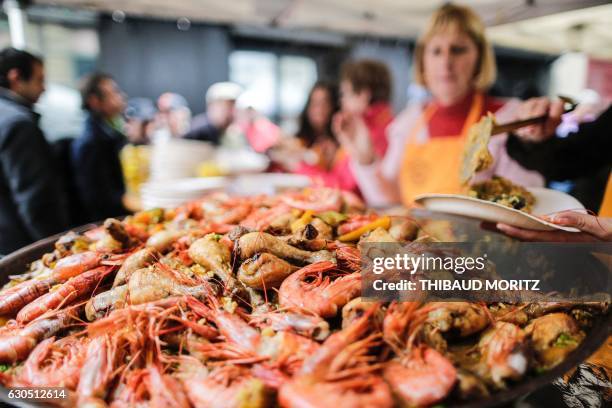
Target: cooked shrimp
{"x": 503, "y": 353}
{"x": 311, "y": 326}
{"x": 54, "y": 363}
{"x": 18, "y": 343}
{"x": 308, "y": 290}
{"x": 16, "y": 297}
{"x": 75, "y": 288}
{"x": 422, "y": 377}
{"x": 339, "y": 373}
{"x": 96, "y": 371}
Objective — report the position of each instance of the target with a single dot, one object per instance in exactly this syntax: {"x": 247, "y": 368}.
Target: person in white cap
{"x": 220, "y": 101}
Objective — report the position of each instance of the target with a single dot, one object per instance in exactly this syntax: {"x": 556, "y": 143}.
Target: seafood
{"x": 264, "y": 270}
{"x": 19, "y": 342}
{"x": 54, "y": 363}
{"x": 308, "y": 290}
{"x": 255, "y": 302}
{"x": 553, "y": 336}
{"x": 145, "y": 285}
{"x": 339, "y": 373}
{"x": 96, "y": 371}
{"x": 75, "y": 288}
{"x": 311, "y": 326}
{"x": 76, "y": 264}
{"x": 453, "y": 318}
{"x": 214, "y": 256}
{"x": 257, "y": 242}
{"x": 135, "y": 261}
{"x": 503, "y": 352}
{"x": 321, "y": 199}
{"x": 423, "y": 377}
{"x": 419, "y": 375}
{"x": 356, "y": 308}
{"x": 263, "y": 218}
{"x": 15, "y": 298}
{"x": 224, "y": 387}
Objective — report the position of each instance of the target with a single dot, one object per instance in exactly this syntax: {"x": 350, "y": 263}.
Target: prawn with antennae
{"x": 312, "y": 289}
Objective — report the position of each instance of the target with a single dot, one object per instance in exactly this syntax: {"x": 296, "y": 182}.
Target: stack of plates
{"x": 168, "y": 194}
{"x": 178, "y": 158}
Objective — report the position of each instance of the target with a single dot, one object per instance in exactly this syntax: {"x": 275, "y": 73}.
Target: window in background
{"x": 256, "y": 72}
{"x": 297, "y": 76}
{"x": 275, "y": 85}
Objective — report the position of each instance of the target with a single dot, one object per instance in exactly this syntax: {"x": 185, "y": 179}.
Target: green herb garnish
{"x": 565, "y": 340}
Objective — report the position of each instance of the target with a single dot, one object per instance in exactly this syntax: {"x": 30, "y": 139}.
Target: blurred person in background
{"x": 454, "y": 61}
{"x": 365, "y": 89}
{"x": 314, "y": 151}
{"x": 140, "y": 123}
{"x": 365, "y": 95}
{"x": 173, "y": 116}
{"x": 95, "y": 154}
{"x": 220, "y": 105}
{"x": 255, "y": 130}
{"x": 139, "y": 120}
{"x": 33, "y": 204}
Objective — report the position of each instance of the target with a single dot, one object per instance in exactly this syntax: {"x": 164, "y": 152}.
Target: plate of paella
{"x": 499, "y": 200}
{"x": 255, "y": 301}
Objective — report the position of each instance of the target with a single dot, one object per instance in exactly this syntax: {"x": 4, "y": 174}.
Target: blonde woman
{"x": 455, "y": 62}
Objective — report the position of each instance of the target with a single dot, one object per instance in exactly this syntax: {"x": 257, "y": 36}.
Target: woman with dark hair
{"x": 315, "y": 152}
{"x": 316, "y": 118}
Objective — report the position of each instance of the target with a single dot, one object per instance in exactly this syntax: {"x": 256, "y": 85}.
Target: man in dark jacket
{"x": 95, "y": 154}
{"x": 32, "y": 200}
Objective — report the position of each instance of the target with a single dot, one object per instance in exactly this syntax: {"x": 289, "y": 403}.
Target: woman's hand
{"x": 354, "y": 136}
{"x": 288, "y": 154}
{"x": 592, "y": 229}
{"x": 537, "y": 107}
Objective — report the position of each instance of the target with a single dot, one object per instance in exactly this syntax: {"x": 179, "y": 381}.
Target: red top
{"x": 449, "y": 120}
{"x": 377, "y": 118}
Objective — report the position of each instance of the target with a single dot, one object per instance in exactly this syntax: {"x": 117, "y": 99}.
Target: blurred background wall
{"x": 277, "y": 62}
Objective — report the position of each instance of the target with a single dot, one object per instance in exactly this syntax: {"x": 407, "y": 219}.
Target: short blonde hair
{"x": 465, "y": 20}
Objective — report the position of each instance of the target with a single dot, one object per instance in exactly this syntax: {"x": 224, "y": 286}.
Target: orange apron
{"x": 433, "y": 166}
{"x": 606, "y": 205}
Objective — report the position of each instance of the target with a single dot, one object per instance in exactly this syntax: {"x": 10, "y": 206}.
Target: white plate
{"x": 547, "y": 202}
